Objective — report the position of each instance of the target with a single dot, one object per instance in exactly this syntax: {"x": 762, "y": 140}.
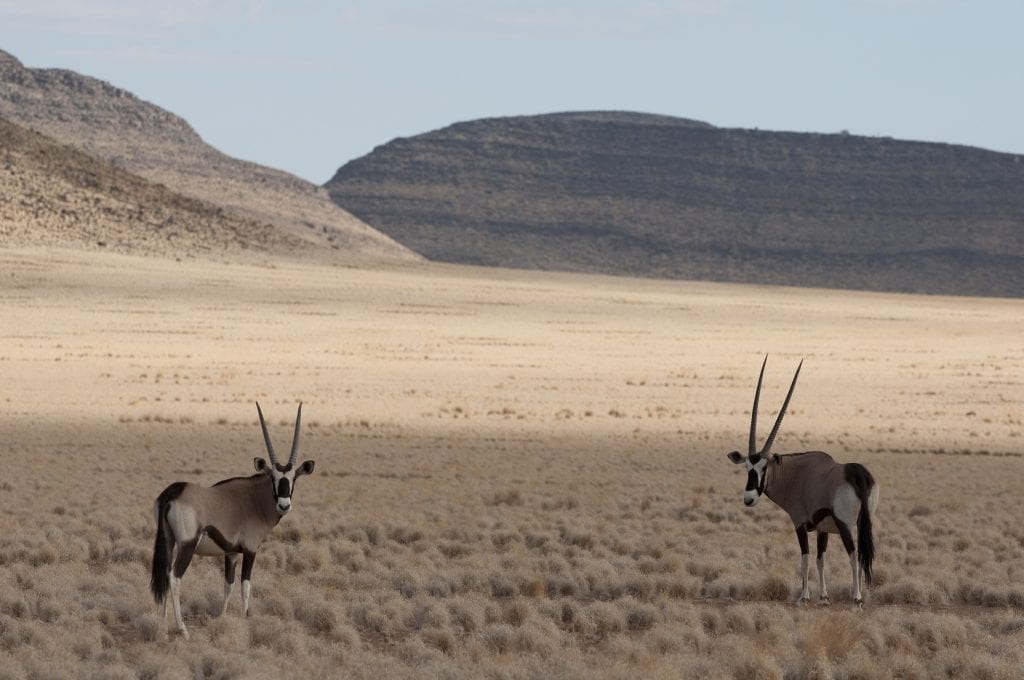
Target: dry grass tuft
{"x": 774, "y": 589}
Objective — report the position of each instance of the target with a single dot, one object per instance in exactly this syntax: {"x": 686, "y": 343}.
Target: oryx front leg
{"x": 822, "y": 546}
{"x": 801, "y": 536}
{"x": 230, "y": 562}
{"x": 248, "y": 558}
{"x": 181, "y": 562}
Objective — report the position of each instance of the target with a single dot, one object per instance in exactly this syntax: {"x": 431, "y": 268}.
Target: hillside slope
{"x": 114, "y": 125}
{"x": 642, "y": 195}
{"x": 52, "y": 194}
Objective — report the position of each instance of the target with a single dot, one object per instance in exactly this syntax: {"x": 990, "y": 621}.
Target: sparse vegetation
{"x": 522, "y": 546}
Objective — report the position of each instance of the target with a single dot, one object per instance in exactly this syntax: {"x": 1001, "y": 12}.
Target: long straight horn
{"x": 752, "y": 448}
{"x": 266, "y": 435}
{"x": 295, "y": 440}
{"x": 782, "y": 413}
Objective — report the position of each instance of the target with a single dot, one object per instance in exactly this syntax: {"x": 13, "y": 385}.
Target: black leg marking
{"x": 184, "y": 557}
{"x": 801, "y": 535}
{"x": 247, "y": 561}
{"x": 822, "y": 543}
{"x": 820, "y": 515}
{"x": 844, "y": 533}
{"x": 218, "y": 538}
{"x": 230, "y": 562}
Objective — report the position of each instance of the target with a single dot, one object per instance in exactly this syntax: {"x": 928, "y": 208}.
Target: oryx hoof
{"x": 183, "y": 633}
{"x": 802, "y": 600}
{"x": 823, "y": 601}
{"x": 859, "y": 603}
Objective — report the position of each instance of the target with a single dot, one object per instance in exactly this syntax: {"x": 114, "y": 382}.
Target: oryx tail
{"x": 159, "y": 582}
{"x": 863, "y": 483}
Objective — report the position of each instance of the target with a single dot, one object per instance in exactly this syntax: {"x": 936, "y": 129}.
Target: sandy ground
{"x": 518, "y": 474}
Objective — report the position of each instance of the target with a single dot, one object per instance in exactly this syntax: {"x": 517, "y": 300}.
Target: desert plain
{"x": 518, "y": 474}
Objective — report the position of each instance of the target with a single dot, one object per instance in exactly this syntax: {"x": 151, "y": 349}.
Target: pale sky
{"x": 306, "y": 86}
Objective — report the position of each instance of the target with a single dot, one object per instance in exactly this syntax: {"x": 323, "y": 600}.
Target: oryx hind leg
{"x": 182, "y": 521}
{"x": 230, "y": 563}
{"x": 181, "y": 562}
{"x": 170, "y": 581}
{"x": 846, "y": 507}
{"x": 851, "y": 550}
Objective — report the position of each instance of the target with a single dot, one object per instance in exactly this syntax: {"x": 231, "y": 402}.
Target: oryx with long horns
{"x": 819, "y": 494}
{"x": 228, "y": 519}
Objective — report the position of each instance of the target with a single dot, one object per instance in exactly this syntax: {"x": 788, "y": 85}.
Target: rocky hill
{"x": 642, "y": 195}
{"x": 52, "y": 194}
{"x": 115, "y": 126}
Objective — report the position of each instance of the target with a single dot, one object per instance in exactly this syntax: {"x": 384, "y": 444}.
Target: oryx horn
{"x": 266, "y": 436}
{"x": 295, "y": 440}
{"x": 782, "y": 413}
{"x": 752, "y": 448}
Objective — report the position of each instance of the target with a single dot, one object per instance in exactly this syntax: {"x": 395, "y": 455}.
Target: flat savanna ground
{"x": 518, "y": 474}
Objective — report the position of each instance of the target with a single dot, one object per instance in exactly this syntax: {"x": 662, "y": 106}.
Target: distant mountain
{"x": 115, "y": 126}
{"x": 642, "y": 195}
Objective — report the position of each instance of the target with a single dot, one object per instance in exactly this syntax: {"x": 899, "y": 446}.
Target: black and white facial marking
{"x": 283, "y": 478}
{"x": 757, "y": 466}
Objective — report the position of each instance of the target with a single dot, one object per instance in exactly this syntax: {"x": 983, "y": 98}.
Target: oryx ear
{"x": 736, "y": 457}
{"x": 306, "y": 468}
{"x": 261, "y": 465}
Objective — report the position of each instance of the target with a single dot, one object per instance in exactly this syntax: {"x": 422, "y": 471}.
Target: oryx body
{"x": 229, "y": 519}
{"x": 819, "y": 495}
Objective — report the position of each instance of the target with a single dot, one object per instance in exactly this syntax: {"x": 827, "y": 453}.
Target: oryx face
{"x": 756, "y": 466}
{"x": 283, "y": 478}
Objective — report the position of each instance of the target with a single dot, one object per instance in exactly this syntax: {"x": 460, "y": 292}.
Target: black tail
{"x": 865, "y": 542}
{"x": 159, "y": 582}
{"x": 863, "y": 483}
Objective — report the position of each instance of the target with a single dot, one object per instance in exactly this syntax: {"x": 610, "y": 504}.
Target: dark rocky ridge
{"x": 641, "y": 195}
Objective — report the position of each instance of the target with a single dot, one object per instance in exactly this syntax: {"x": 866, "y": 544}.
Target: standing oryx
{"x": 819, "y": 494}
{"x": 231, "y": 517}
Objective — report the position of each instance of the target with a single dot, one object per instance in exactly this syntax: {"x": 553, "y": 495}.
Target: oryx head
{"x": 282, "y": 476}
{"x": 757, "y": 461}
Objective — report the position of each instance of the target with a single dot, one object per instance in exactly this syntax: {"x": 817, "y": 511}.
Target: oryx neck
{"x": 776, "y": 481}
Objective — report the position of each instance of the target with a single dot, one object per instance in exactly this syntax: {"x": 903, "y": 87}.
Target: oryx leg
{"x": 170, "y": 578}
{"x": 230, "y": 562}
{"x": 247, "y": 561}
{"x": 822, "y": 546}
{"x": 805, "y": 595}
{"x": 181, "y": 562}
{"x": 851, "y": 550}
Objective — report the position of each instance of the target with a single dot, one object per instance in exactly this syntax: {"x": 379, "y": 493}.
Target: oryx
{"x": 819, "y": 494}
{"x": 231, "y": 517}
